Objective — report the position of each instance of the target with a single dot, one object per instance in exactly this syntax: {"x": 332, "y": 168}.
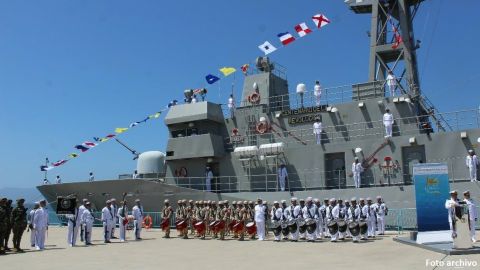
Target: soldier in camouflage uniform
{"x": 18, "y": 220}
{"x": 9, "y": 209}
{"x": 3, "y": 223}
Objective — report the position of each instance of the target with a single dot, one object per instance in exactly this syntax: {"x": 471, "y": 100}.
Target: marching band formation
{"x": 307, "y": 219}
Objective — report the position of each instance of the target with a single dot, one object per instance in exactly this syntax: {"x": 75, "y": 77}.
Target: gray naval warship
{"x": 271, "y": 126}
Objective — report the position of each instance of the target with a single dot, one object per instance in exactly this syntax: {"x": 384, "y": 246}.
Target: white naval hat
{"x": 113, "y": 200}
{"x": 470, "y": 151}
{"x": 356, "y": 158}
{"x": 137, "y": 200}
{"x": 466, "y": 192}
{"x": 453, "y": 192}
{"x": 332, "y": 200}
{"x": 108, "y": 201}
{"x": 284, "y": 201}
{"x": 379, "y": 197}
{"x": 275, "y": 202}
{"x": 361, "y": 199}
{"x": 353, "y": 199}
{"x": 293, "y": 199}
{"x": 369, "y": 199}
{"x": 309, "y": 199}
{"x": 316, "y": 200}
{"x": 166, "y": 201}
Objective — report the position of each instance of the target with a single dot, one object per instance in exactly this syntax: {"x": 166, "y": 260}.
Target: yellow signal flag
{"x": 227, "y": 71}
{"x": 73, "y": 155}
{"x": 120, "y": 130}
{"x": 156, "y": 115}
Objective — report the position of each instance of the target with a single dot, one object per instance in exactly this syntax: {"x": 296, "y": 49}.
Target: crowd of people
{"x": 304, "y": 219}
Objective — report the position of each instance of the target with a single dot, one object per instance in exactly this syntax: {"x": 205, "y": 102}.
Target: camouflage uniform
{"x": 167, "y": 214}
{"x": 3, "y": 224}
{"x": 9, "y": 209}
{"x": 18, "y": 220}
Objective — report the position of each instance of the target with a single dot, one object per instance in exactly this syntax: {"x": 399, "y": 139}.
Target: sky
{"x": 72, "y": 70}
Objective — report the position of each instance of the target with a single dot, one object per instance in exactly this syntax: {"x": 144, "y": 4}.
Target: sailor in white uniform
{"x": 114, "y": 207}
{"x": 122, "y": 215}
{"x": 381, "y": 211}
{"x": 282, "y": 176}
{"x": 91, "y": 178}
{"x": 107, "y": 220}
{"x": 317, "y": 92}
{"x": 40, "y": 225}
{"x": 285, "y": 215}
{"x": 332, "y": 213}
{"x": 317, "y": 130}
{"x": 472, "y": 164}
{"x": 260, "y": 219}
{"x": 323, "y": 213}
{"x": 31, "y": 216}
{"x": 310, "y": 212}
{"x": 137, "y": 212}
{"x": 293, "y": 213}
{"x": 391, "y": 83}
{"x": 339, "y": 212}
{"x": 80, "y": 213}
{"x": 87, "y": 220}
{"x": 371, "y": 218}
{"x": 364, "y": 209}
{"x": 194, "y": 99}
{"x": 388, "y": 123}
{"x": 277, "y": 216}
{"x": 450, "y": 205}
{"x": 320, "y": 218}
{"x": 73, "y": 227}
{"x": 357, "y": 169}
{"x": 208, "y": 179}
{"x": 472, "y": 213}
{"x": 354, "y": 215}
{"x": 231, "y": 106}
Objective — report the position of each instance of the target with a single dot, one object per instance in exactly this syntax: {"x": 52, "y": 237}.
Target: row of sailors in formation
{"x": 303, "y": 219}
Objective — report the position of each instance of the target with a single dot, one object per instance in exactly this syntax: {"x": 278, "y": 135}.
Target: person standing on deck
{"x": 317, "y": 92}
{"x": 472, "y": 164}
{"x": 357, "y": 169}
{"x": 388, "y": 123}
{"x": 208, "y": 179}
{"x": 282, "y": 176}
{"x": 317, "y": 130}
{"x": 472, "y": 214}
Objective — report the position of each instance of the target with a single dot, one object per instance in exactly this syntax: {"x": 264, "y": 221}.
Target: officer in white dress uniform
{"x": 80, "y": 213}
{"x": 208, "y": 179}
{"x": 277, "y": 216}
{"x": 87, "y": 220}
{"x": 310, "y": 212}
{"x": 319, "y": 219}
{"x": 317, "y": 130}
{"x": 293, "y": 212}
{"x": 371, "y": 218}
{"x": 107, "y": 220}
{"x": 40, "y": 225}
{"x": 317, "y": 92}
{"x": 354, "y": 215}
{"x": 357, "y": 169}
{"x": 114, "y": 207}
{"x": 332, "y": 212}
{"x": 388, "y": 123}
{"x": 282, "y": 176}
{"x": 137, "y": 212}
{"x": 122, "y": 215}
{"x": 73, "y": 227}
{"x": 472, "y": 164}
{"x": 231, "y": 106}
{"x": 472, "y": 212}
{"x": 260, "y": 219}
{"x": 391, "y": 83}
{"x": 382, "y": 211}
{"x": 450, "y": 205}
{"x": 30, "y": 217}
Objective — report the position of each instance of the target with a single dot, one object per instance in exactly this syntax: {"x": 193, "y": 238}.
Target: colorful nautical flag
{"x": 267, "y": 48}
{"x": 60, "y": 162}
{"x": 89, "y": 144}
{"x": 286, "y": 38}
{"x": 302, "y": 29}
{"x": 211, "y": 79}
{"x": 397, "y": 37}
{"x": 110, "y": 136}
{"x": 156, "y": 115}
{"x": 82, "y": 148}
{"x": 45, "y": 168}
{"x": 320, "y": 20}
{"x": 227, "y": 71}
{"x": 133, "y": 124}
{"x": 120, "y": 130}
{"x": 73, "y": 155}
{"x": 144, "y": 120}
{"x": 245, "y": 68}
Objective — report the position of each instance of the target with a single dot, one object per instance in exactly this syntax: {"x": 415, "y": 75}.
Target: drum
{"x": 199, "y": 227}
{"x": 276, "y": 227}
{"x": 285, "y": 230}
{"x": 354, "y": 228}
{"x": 212, "y": 224}
{"x": 251, "y": 228}
{"x": 302, "y": 226}
{"x": 292, "y": 226}
{"x": 219, "y": 226}
{"x": 363, "y": 227}
{"x": 342, "y": 225}
{"x": 311, "y": 226}
{"x": 231, "y": 225}
{"x": 180, "y": 224}
{"x": 238, "y": 228}
{"x": 164, "y": 225}
{"x": 332, "y": 227}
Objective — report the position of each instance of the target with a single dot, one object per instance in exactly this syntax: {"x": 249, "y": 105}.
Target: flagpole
{"x": 46, "y": 166}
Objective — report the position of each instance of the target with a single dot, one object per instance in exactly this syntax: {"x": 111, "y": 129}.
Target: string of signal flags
{"x": 302, "y": 29}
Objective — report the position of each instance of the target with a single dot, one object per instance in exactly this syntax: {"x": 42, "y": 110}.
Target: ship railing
{"x": 424, "y": 124}
{"x": 399, "y": 219}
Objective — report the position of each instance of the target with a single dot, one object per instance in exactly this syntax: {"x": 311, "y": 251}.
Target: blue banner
{"x": 431, "y": 190}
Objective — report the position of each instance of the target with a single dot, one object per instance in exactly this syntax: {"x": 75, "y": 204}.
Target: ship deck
{"x": 175, "y": 253}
